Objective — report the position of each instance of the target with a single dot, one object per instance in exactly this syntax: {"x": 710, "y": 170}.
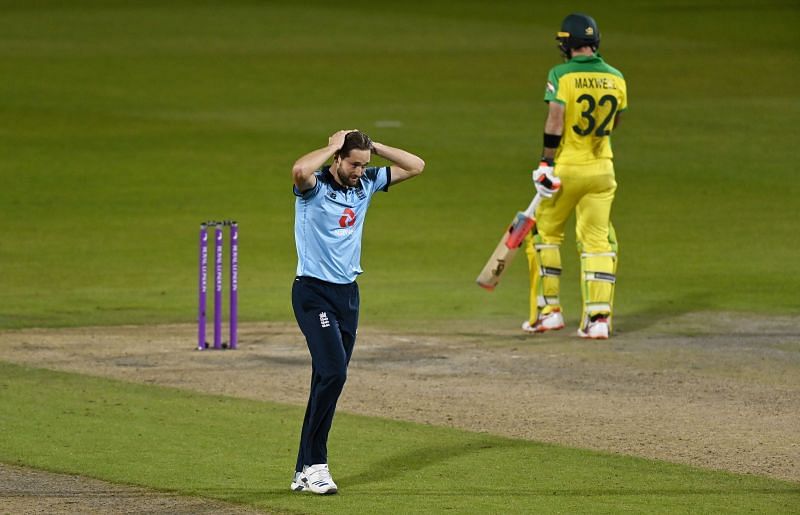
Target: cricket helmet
{"x": 578, "y": 30}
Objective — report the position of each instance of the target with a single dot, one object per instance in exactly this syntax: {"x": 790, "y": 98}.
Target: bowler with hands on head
{"x": 330, "y": 207}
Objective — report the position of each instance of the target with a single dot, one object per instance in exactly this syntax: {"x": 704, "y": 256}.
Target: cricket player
{"x": 330, "y": 208}
{"x": 585, "y": 97}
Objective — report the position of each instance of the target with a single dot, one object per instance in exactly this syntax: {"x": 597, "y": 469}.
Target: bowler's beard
{"x": 345, "y": 178}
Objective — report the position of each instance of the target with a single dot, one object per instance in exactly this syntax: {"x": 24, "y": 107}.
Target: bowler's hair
{"x": 355, "y": 140}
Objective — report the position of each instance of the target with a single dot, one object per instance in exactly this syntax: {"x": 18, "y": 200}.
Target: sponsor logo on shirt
{"x": 348, "y": 218}
{"x": 347, "y": 223}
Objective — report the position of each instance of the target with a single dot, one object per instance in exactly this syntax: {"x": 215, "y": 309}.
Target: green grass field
{"x": 237, "y": 450}
{"x": 127, "y": 123}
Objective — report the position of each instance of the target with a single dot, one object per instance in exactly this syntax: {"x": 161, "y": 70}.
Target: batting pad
{"x": 544, "y": 266}
{"x": 597, "y": 283}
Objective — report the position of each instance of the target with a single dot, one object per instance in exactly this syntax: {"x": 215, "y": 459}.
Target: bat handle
{"x": 537, "y": 199}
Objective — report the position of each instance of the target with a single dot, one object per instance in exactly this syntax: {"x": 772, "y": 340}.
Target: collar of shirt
{"x": 587, "y": 58}
{"x": 328, "y": 178}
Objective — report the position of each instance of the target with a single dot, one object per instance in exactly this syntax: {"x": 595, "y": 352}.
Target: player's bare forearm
{"x": 555, "y": 119}
{"x": 304, "y": 168}
{"x": 311, "y": 162}
{"x": 553, "y": 125}
{"x": 405, "y": 164}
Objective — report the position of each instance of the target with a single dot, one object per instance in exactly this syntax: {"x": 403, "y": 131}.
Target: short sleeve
{"x": 309, "y": 193}
{"x": 551, "y": 88}
{"x": 378, "y": 178}
{"x": 624, "y": 90}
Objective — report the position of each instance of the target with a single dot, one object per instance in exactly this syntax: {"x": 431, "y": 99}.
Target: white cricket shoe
{"x": 300, "y": 483}
{"x": 596, "y": 330}
{"x": 317, "y": 478}
{"x": 552, "y": 321}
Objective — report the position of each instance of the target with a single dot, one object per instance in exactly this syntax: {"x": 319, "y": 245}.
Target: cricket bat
{"x": 502, "y": 256}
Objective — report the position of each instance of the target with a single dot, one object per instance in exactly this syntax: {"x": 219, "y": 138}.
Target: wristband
{"x": 552, "y": 140}
{"x": 548, "y": 161}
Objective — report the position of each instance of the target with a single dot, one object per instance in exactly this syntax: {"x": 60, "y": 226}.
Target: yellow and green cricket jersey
{"x": 592, "y": 93}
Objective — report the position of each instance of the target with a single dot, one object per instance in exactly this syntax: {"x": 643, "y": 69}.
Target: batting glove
{"x": 546, "y": 183}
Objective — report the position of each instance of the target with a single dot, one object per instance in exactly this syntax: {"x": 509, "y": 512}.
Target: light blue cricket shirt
{"x": 329, "y": 222}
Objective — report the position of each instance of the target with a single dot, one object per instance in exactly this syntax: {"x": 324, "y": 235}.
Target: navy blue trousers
{"x": 327, "y": 314}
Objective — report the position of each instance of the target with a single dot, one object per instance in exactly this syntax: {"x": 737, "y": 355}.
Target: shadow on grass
{"x": 254, "y": 496}
{"x": 508, "y": 492}
{"x": 653, "y": 315}
{"x": 418, "y": 459}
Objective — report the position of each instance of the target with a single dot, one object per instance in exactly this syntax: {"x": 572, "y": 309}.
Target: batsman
{"x": 585, "y": 97}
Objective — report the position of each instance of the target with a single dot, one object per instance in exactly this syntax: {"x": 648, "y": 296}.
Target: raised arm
{"x": 304, "y": 168}
{"x": 405, "y": 165}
